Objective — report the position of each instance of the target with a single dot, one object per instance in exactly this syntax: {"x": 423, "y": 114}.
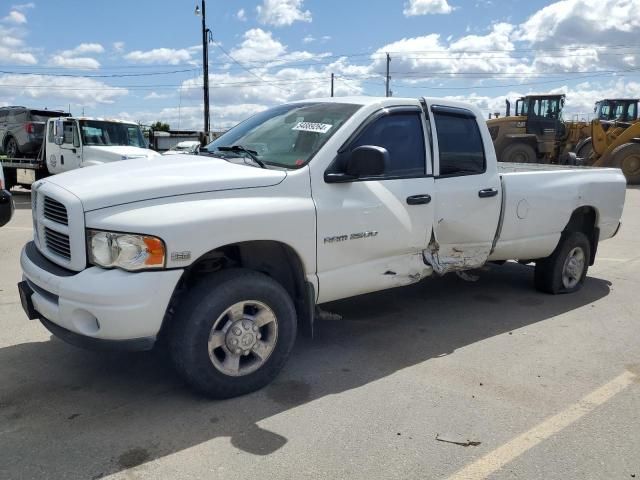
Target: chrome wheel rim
{"x": 573, "y": 268}
{"x": 243, "y": 338}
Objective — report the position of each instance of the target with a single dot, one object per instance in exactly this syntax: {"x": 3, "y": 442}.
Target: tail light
{"x": 30, "y": 127}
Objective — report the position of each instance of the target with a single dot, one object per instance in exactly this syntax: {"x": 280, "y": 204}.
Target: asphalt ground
{"x": 544, "y": 387}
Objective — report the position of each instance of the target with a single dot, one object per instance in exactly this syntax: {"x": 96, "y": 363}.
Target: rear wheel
{"x": 519, "y": 153}
{"x": 233, "y": 333}
{"x": 627, "y": 158}
{"x": 10, "y": 178}
{"x": 566, "y": 269}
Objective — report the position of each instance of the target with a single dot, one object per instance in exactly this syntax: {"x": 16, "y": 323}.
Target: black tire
{"x": 11, "y": 148}
{"x": 519, "y": 153}
{"x": 10, "y": 178}
{"x": 585, "y": 151}
{"x": 194, "y": 320}
{"x": 549, "y": 271}
{"x": 627, "y": 158}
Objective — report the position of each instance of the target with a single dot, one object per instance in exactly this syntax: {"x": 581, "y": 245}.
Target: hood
{"x": 96, "y": 155}
{"x": 117, "y": 183}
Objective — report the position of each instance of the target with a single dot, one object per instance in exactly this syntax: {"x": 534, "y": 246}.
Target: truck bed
{"x": 538, "y": 200}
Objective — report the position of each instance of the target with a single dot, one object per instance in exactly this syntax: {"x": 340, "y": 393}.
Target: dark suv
{"x": 22, "y": 129}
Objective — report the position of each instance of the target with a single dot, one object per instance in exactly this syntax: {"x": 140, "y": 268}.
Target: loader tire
{"x": 519, "y": 153}
{"x": 585, "y": 151}
{"x": 627, "y": 158}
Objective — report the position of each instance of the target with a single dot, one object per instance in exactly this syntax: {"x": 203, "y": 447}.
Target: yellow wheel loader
{"x": 537, "y": 132}
{"x": 618, "y": 146}
{"x": 609, "y": 111}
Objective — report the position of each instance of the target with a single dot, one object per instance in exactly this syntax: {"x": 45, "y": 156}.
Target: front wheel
{"x": 566, "y": 269}
{"x": 233, "y": 333}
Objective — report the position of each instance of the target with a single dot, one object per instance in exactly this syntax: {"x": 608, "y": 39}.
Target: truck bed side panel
{"x": 539, "y": 204}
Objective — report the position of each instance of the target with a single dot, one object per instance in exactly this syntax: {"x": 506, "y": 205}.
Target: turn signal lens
{"x": 155, "y": 251}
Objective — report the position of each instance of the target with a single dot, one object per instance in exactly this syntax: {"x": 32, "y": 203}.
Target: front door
{"x": 467, "y": 191}
{"x": 371, "y": 232}
{"x": 68, "y": 155}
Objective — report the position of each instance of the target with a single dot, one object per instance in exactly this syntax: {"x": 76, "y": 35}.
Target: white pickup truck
{"x": 227, "y": 254}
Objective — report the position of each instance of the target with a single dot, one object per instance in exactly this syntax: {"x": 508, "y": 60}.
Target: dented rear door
{"x": 467, "y": 190}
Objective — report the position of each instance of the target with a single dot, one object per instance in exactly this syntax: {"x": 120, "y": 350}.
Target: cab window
{"x": 459, "y": 143}
{"x": 402, "y": 135}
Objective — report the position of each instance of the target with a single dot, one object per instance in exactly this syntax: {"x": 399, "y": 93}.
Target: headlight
{"x": 125, "y": 250}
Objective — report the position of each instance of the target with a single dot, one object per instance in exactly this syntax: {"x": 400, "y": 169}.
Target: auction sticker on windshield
{"x": 312, "y": 127}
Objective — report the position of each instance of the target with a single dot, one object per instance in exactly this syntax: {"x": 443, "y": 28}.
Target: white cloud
{"x": 428, "y": 57}
{"x": 312, "y": 39}
{"x": 241, "y": 15}
{"x": 158, "y": 96}
{"x": 280, "y": 13}
{"x": 426, "y": 7}
{"x": 22, "y": 58}
{"x": 171, "y": 56}
{"x": 118, "y": 46}
{"x": 16, "y": 17}
{"x": 79, "y": 63}
{"x": 579, "y": 22}
{"x": 190, "y": 117}
{"x": 82, "y": 49}
{"x": 12, "y": 47}
{"x": 258, "y": 45}
{"x": 73, "y": 58}
{"x": 579, "y": 29}
{"x": 23, "y": 6}
{"x": 85, "y": 91}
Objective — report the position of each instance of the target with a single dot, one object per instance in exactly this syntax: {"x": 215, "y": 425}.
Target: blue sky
{"x": 142, "y": 60}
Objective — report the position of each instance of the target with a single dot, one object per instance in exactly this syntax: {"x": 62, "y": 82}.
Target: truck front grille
{"x": 55, "y": 211}
{"x": 57, "y": 243}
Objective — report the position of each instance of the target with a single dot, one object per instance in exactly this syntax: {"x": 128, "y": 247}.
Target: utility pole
{"x": 332, "y": 79}
{"x": 388, "y": 76}
{"x": 205, "y": 65}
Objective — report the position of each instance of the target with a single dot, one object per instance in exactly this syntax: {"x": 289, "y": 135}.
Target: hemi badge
{"x": 180, "y": 256}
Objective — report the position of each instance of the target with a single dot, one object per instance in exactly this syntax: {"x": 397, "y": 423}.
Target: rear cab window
{"x": 460, "y": 142}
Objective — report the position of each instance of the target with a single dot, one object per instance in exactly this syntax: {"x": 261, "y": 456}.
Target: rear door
{"x": 467, "y": 191}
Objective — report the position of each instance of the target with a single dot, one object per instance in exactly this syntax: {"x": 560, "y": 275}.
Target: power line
{"x": 245, "y": 68}
{"x": 114, "y": 75}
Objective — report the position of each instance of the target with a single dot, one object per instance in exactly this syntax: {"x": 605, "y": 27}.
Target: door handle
{"x": 419, "y": 199}
{"x": 488, "y": 192}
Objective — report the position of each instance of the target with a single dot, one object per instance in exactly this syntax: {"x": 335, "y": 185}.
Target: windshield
{"x": 286, "y": 136}
{"x": 102, "y": 133}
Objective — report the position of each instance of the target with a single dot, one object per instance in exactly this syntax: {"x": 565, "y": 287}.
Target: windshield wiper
{"x": 239, "y": 148}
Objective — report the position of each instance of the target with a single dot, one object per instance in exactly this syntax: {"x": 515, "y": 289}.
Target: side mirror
{"x": 58, "y": 140}
{"x": 362, "y": 162}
